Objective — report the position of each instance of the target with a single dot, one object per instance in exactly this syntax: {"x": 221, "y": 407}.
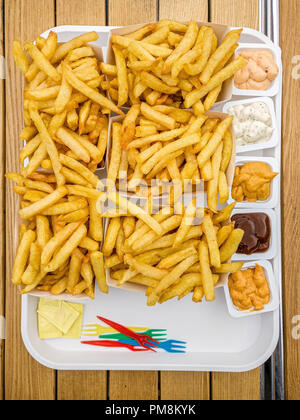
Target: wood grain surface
{"x": 290, "y": 42}
{"x": 184, "y": 10}
{"x": 130, "y": 12}
{"x": 24, "y": 377}
{"x": 78, "y": 12}
{"x": 235, "y": 12}
{"x": 2, "y": 235}
{"x": 21, "y": 377}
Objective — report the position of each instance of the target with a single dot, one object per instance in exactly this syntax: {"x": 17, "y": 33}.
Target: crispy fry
{"x": 231, "y": 245}
{"x": 187, "y": 222}
{"x": 128, "y": 125}
{"x": 227, "y": 151}
{"x": 79, "y": 168}
{"x": 223, "y": 188}
{"x": 170, "y": 279}
{"x": 77, "y": 42}
{"x": 42, "y": 62}
{"x": 211, "y": 237}
{"x": 122, "y": 76}
{"x": 71, "y": 142}
{"x": 48, "y": 142}
{"x": 115, "y": 159}
{"x": 207, "y": 279}
{"x": 83, "y": 88}
{"x": 229, "y": 41}
{"x": 44, "y": 203}
{"x": 156, "y": 84}
{"x": 158, "y": 117}
{"x": 111, "y": 236}
{"x": 185, "y": 44}
{"x": 98, "y": 268}
{"x": 214, "y": 142}
{"x": 66, "y": 250}
{"x": 212, "y": 187}
{"x": 229, "y": 268}
{"x": 22, "y": 256}
{"x": 20, "y": 57}
{"x": 144, "y": 268}
{"x": 136, "y": 211}
{"x": 220, "y": 77}
{"x": 170, "y": 148}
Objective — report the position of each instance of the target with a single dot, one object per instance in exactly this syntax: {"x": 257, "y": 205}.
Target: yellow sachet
{"x": 59, "y": 319}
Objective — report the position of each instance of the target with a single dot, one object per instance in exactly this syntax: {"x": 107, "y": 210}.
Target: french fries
{"x": 168, "y": 266}
{"x": 157, "y": 71}
{"x": 196, "y": 149}
{"x": 175, "y": 68}
{"x": 66, "y": 138}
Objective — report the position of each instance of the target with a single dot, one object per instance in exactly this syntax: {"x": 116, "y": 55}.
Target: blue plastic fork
{"x": 171, "y": 346}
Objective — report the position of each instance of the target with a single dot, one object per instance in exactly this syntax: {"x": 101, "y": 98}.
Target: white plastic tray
{"x": 221, "y": 344}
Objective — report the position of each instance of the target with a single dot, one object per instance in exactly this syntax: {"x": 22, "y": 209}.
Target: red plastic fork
{"x": 109, "y": 343}
{"x": 142, "y": 339}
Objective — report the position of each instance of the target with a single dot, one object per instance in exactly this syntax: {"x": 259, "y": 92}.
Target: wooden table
{"x": 23, "y": 378}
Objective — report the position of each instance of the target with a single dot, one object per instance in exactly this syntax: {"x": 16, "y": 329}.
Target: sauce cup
{"x": 274, "y": 296}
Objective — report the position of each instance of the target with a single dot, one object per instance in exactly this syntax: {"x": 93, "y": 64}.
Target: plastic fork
{"x": 108, "y": 343}
{"x": 142, "y": 339}
{"x": 171, "y": 346}
{"x": 159, "y": 335}
{"x": 95, "y": 330}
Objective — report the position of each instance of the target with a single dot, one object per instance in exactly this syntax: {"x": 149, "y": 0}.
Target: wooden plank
{"x": 2, "y": 257}
{"x": 184, "y": 11}
{"x": 78, "y": 12}
{"x": 25, "y": 379}
{"x": 126, "y": 385}
{"x": 290, "y": 43}
{"x": 76, "y": 385}
{"x": 130, "y": 12}
{"x": 81, "y": 385}
{"x": 184, "y": 385}
{"x": 235, "y": 12}
{"x": 238, "y": 385}
{"x": 133, "y": 385}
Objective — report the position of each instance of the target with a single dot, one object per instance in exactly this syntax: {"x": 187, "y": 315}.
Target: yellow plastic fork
{"x": 92, "y": 330}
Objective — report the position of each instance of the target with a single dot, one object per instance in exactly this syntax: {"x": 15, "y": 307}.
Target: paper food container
{"x": 229, "y": 174}
{"x": 66, "y": 296}
{"x": 220, "y": 31}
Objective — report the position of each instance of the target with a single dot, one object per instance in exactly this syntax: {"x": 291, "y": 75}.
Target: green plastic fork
{"x": 153, "y": 333}
{"x": 93, "y": 330}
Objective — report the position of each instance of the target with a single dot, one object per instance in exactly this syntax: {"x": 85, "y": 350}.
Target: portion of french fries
{"x": 158, "y": 70}
{"x": 158, "y": 143}
{"x": 171, "y": 63}
{"x": 66, "y": 131}
{"x": 183, "y": 258}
